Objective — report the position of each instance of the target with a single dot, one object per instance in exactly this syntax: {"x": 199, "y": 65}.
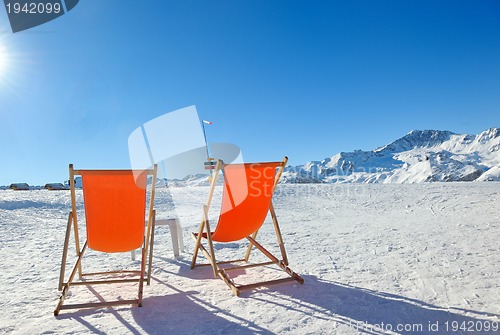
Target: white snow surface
{"x": 419, "y": 156}
{"x": 414, "y": 258}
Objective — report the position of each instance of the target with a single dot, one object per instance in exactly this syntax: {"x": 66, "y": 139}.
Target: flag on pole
{"x": 207, "y": 122}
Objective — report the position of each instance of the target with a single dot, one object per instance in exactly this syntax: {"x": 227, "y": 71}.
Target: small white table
{"x": 175, "y": 233}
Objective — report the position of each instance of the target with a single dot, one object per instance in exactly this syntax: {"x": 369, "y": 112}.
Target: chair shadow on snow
{"x": 178, "y": 313}
{"x": 361, "y": 310}
{"x": 356, "y": 308}
{"x": 373, "y": 312}
{"x": 81, "y": 316}
{"x": 185, "y": 313}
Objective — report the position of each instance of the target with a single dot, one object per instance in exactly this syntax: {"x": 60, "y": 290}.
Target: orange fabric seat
{"x": 247, "y": 194}
{"x": 246, "y": 200}
{"x": 115, "y": 210}
{"x": 115, "y": 207}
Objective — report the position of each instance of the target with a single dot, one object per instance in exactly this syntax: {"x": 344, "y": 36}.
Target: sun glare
{"x": 3, "y": 60}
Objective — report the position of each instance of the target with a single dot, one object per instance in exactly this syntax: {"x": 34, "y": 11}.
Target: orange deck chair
{"x": 115, "y": 216}
{"x": 246, "y": 200}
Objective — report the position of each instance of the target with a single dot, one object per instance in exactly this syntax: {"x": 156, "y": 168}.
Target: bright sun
{"x": 3, "y": 59}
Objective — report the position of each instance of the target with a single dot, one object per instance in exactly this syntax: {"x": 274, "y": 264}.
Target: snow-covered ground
{"x": 417, "y": 258}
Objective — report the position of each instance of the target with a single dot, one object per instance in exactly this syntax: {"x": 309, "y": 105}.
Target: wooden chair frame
{"x": 205, "y": 232}
{"x": 138, "y": 275}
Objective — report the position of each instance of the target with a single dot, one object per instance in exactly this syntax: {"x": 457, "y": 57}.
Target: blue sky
{"x": 306, "y": 79}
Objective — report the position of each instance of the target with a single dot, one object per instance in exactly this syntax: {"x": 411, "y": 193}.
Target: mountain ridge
{"x": 418, "y": 156}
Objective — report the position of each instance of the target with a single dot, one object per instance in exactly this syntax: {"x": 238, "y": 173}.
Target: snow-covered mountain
{"x": 419, "y": 156}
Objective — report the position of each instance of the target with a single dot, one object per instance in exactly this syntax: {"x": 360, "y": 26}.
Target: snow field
{"x": 376, "y": 259}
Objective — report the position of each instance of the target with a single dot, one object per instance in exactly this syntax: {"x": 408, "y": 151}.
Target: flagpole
{"x": 206, "y": 143}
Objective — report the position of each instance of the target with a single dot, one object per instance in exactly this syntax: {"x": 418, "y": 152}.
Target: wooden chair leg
{"x": 278, "y": 234}
{"x": 197, "y": 244}
{"x": 211, "y": 249}
{"x": 249, "y": 249}
{"x": 141, "y": 279}
{"x": 152, "y": 242}
{"x": 65, "y": 252}
{"x": 70, "y": 280}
